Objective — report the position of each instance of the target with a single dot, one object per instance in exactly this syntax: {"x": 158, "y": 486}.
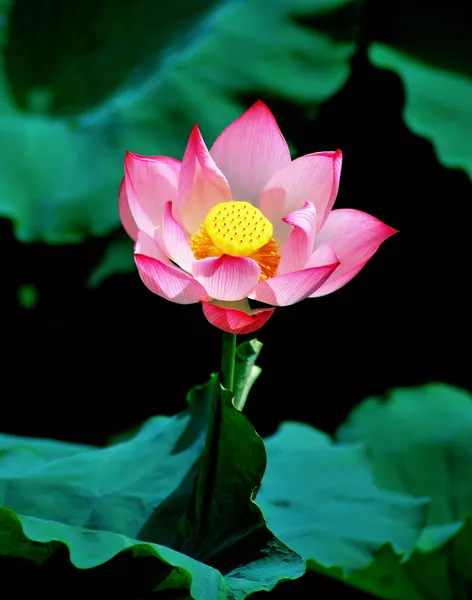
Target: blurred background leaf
{"x": 320, "y": 499}
{"x": 27, "y": 296}
{"x": 93, "y": 81}
{"x": 388, "y": 507}
{"x": 429, "y": 46}
{"x": 65, "y": 65}
{"x": 418, "y": 440}
{"x": 437, "y": 104}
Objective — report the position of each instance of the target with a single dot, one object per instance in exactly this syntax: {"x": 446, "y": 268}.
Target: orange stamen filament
{"x": 267, "y": 257}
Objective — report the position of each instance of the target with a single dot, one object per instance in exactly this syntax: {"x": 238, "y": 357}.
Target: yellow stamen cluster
{"x": 238, "y": 229}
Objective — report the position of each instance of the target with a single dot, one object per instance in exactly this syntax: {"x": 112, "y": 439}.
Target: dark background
{"x": 86, "y": 364}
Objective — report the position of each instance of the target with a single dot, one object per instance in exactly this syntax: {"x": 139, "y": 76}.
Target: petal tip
{"x": 387, "y": 230}
{"x": 195, "y": 133}
{"x": 129, "y": 156}
{"x": 261, "y": 106}
{"x": 260, "y": 103}
{"x": 338, "y": 159}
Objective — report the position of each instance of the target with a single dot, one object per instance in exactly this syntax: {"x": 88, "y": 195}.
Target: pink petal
{"x": 149, "y": 246}
{"x": 126, "y": 217}
{"x": 163, "y": 278}
{"x": 175, "y": 240}
{"x": 249, "y": 151}
{"x": 283, "y": 290}
{"x": 299, "y": 245}
{"x": 323, "y": 255}
{"x": 313, "y": 178}
{"x": 239, "y": 319}
{"x": 154, "y": 181}
{"x": 354, "y": 236}
{"x": 201, "y": 184}
{"x": 227, "y": 277}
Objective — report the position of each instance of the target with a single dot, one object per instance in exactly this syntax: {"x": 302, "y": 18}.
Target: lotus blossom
{"x": 243, "y": 222}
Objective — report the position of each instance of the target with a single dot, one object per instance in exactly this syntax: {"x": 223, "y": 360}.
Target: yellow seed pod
{"x": 238, "y": 228}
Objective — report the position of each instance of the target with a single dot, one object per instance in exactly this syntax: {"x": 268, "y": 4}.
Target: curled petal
{"x": 175, "y": 240}
{"x": 161, "y": 277}
{"x": 354, "y": 236}
{"x": 323, "y": 255}
{"x": 236, "y": 317}
{"x": 151, "y": 181}
{"x": 313, "y": 178}
{"x": 287, "y": 289}
{"x": 300, "y": 242}
{"x": 249, "y": 151}
{"x": 227, "y": 277}
{"x": 126, "y": 217}
{"x": 201, "y": 184}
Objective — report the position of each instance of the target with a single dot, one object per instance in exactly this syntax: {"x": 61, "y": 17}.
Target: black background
{"x": 85, "y": 364}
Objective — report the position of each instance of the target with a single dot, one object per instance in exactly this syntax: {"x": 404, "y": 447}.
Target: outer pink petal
{"x": 163, "y": 278}
{"x": 154, "y": 180}
{"x": 227, "y": 277}
{"x": 234, "y": 320}
{"x": 354, "y": 236}
{"x": 299, "y": 245}
{"x": 313, "y": 178}
{"x": 201, "y": 184}
{"x": 287, "y": 289}
{"x": 249, "y": 151}
{"x": 126, "y": 217}
{"x": 175, "y": 240}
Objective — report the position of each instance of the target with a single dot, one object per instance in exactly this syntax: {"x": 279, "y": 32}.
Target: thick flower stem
{"x": 228, "y": 360}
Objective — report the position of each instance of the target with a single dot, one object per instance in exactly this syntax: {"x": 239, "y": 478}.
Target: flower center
{"x": 238, "y": 229}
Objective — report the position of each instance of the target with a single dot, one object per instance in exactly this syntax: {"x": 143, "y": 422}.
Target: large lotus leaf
{"x": 40, "y": 539}
{"x": 320, "y": 499}
{"x": 64, "y": 151}
{"x": 181, "y": 490}
{"x": 418, "y": 440}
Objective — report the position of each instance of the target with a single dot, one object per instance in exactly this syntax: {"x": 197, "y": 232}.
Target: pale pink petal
{"x": 154, "y": 180}
{"x": 313, "y": 178}
{"x": 163, "y": 278}
{"x": 287, "y": 289}
{"x": 140, "y": 217}
{"x": 249, "y": 151}
{"x": 239, "y": 318}
{"x": 322, "y": 255}
{"x": 201, "y": 184}
{"x": 300, "y": 242}
{"x": 149, "y": 246}
{"x": 354, "y": 237}
{"x": 227, "y": 277}
{"x": 126, "y": 217}
{"x": 175, "y": 240}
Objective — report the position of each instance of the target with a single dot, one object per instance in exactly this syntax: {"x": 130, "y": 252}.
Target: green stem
{"x": 228, "y": 360}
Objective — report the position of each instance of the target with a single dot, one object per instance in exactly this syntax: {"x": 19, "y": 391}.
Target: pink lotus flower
{"x": 243, "y": 221}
